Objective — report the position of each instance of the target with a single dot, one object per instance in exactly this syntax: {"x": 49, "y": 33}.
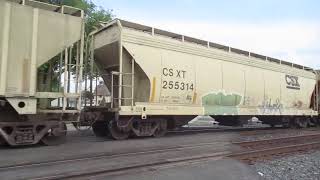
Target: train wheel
{"x": 81, "y": 127}
{"x": 162, "y": 129}
{"x": 285, "y": 121}
{"x": 116, "y": 133}
{"x": 272, "y": 125}
{"x": 292, "y": 122}
{"x": 56, "y": 136}
{"x": 316, "y": 121}
{"x": 100, "y": 128}
{"x": 2, "y": 141}
{"x": 310, "y": 122}
{"x": 301, "y": 123}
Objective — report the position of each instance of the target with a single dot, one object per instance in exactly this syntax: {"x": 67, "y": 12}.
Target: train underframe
{"x": 18, "y": 130}
{"x": 110, "y": 124}
{"x": 272, "y": 120}
{"x": 51, "y": 130}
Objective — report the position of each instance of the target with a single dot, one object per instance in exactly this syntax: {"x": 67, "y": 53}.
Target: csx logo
{"x": 292, "y": 82}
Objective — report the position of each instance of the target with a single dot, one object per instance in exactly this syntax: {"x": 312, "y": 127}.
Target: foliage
{"x": 94, "y": 15}
{"x": 87, "y": 95}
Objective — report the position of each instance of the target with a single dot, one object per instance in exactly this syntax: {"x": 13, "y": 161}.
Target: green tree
{"x": 94, "y": 15}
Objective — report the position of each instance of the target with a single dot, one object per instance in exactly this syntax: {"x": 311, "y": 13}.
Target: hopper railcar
{"x": 32, "y": 33}
{"x": 160, "y": 80}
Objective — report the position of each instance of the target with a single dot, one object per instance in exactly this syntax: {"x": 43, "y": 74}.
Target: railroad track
{"x": 194, "y": 130}
{"x": 104, "y": 155}
{"x": 181, "y": 131}
{"x": 137, "y": 168}
{"x": 107, "y": 170}
{"x": 254, "y": 150}
{"x": 270, "y": 148}
{"x": 277, "y": 130}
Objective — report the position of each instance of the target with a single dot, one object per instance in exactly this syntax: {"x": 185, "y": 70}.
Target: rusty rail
{"x": 268, "y": 149}
{"x": 251, "y": 157}
{"x": 278, "y": 141}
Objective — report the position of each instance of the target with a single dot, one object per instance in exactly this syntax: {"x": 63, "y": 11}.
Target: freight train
{"x": 158, "y": 80}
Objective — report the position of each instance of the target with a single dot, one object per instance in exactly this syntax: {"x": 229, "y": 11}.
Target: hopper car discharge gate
{"x": 155, "y": 85}
{"x": 39, "y": 43}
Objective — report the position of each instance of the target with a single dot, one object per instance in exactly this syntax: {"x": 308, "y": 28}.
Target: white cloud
{"x": 297, "y": 42}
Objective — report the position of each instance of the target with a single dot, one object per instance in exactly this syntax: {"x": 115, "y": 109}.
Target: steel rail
{"x": 95, "y": 156}
{"x": 151, "y": 150}
{"x": 137, "y": 168}
{"x": 255, "y": 155}
{"x": 279, "y": 141}
{"x": 105, "y": 155}
{"x": 248, "y": 156}
{"x": 215, "y": 129}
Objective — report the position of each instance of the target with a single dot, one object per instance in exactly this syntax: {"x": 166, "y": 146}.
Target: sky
{"x": 285, "y": 29}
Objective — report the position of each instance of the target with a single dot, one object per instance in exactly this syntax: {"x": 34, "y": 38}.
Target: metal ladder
{"x": 67, "y": 94}
{"x": 120, "y": 87}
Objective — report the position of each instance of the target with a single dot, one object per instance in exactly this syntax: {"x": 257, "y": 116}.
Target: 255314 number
{"x": 177, "y": 85}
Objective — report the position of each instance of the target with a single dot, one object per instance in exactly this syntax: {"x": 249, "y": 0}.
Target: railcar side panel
{"x": 254, "y": 93}
{"x": 183, "y": 75}
{"x": 220, "y": 87}
{"x": 161, "y": 80}
{"x": 209, "y": 78}
{"x": 272, "y": 102}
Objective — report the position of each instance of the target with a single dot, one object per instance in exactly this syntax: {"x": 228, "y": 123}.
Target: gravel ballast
{"x": 277, "y": 133}
{"x": 295, "y": 167}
